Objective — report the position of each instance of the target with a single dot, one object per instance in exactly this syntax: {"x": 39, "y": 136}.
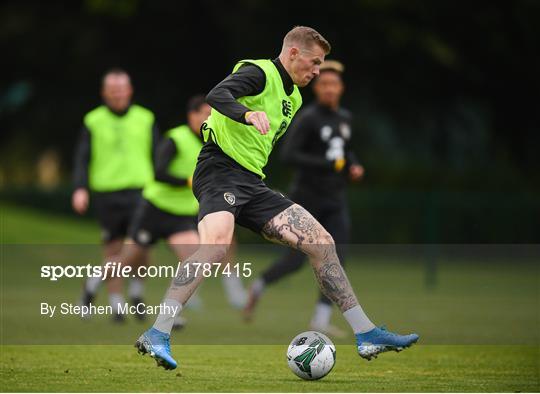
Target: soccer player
{"x": 252, "y": 108}
{"x": 169, "y": 209}
{"x": 113, "y": 161}
{"x": 318, "y": 146}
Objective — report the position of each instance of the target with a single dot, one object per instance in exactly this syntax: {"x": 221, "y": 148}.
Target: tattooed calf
{"x": 335, "y": 285}
{"x": 184, "y": 276}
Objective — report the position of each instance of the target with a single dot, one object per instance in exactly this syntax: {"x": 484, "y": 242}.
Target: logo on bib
{"x": 280, "y": 131}
{"x": 286, "y": 108}
{"x": 229, "y": 197}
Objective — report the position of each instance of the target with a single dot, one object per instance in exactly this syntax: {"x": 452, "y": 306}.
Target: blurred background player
{"x": 113, "y": 162}
{"x": 168, "y": 209}
{"x": 318, "y": 147}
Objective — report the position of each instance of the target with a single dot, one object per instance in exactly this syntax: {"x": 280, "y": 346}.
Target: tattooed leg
{"x": 297, "y": 228}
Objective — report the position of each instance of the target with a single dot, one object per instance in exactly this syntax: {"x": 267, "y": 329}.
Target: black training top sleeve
{"x": 156, "y": 139}
{"x": 350, "y": 156}
{"x": 82, "y": 160}
{"x": 294, "y": 148}
{"x": 166, "y": 151}
{"x": 249, "y": 80}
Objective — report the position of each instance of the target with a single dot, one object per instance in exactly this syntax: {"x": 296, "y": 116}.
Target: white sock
{"x": 116, "y": 300}
{"x": 258, "y": 286}
{"x": 165, "y": 321}
{"x": 136, "y": 288}
{"x": 236, "y": 294}
{"x": 321, "y": 317}
{"x": 358, "y": 320}
{"x": 92, "y": 284}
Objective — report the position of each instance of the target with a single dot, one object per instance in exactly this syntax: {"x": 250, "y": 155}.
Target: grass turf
{"x": 20, "y": 225}
{"x": 234, "y": 368}
{"x": 479, "y": 324}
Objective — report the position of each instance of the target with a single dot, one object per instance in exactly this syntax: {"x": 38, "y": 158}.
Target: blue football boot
{"x": 379, "y": 340}
{"x": 156, "y": 343}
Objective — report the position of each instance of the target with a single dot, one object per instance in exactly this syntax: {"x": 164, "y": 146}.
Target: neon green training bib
{"x": 178, "y": 200}
{"x": 121, "y": 148}
{"x": 243, "y": 142}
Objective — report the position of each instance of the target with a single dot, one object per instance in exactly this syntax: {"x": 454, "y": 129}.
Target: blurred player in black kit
{"x": 318, "y": 147}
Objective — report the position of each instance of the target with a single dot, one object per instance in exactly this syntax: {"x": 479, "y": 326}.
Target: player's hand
{"x": 79, "y": 200}
{"x": 190, "y": 182}
{"x": 356, "y": 172}
{"x": 259, "y": 120}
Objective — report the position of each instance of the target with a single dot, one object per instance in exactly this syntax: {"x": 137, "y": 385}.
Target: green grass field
{"x": 263, "y": 368}
{"x": 479, "y": 326}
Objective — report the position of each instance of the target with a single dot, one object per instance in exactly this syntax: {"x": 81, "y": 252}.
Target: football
{"x": 311, "y": 355}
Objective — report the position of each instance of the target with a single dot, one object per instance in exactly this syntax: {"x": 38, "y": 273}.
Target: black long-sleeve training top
{"x": 317, "y": 137}
{"x": 166, "y": 152}
{"x": 249, "y": 80}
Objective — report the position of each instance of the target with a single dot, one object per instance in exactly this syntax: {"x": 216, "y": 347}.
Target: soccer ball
{"x": 311, "y": 355}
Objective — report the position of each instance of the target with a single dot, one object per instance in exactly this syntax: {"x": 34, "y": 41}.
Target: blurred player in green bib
{"x": 113, "y": 162}
{"x": 168, "y": 209}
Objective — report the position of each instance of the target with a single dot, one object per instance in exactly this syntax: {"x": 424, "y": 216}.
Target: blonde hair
{"x": 305, "y": 37}
{"x": 332, "y": 65}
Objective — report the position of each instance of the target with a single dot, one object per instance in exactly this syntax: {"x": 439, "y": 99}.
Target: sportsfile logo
{"x": 116, "y": 269}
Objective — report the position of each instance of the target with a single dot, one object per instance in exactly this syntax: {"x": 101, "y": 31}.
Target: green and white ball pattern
{"x": 311, "y": 355}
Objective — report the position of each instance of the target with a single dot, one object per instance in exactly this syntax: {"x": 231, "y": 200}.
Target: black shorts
{"x": 114, "y": 211}
{"x": 151, "y": 224}
{"x": 221, "y": 184}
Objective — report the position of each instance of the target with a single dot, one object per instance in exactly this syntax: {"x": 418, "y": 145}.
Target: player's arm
{"x": 80, "y": 197}
{"x": 156, "y": 139}
{"x": 249, "y": 80}
{"x": 354, "y": 168}
{"x": 294, "y": 150}
{"x": 166, "y": 152}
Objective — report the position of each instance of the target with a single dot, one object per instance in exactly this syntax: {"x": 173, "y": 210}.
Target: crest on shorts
{"x": 143, "y": 236}
{"x": 229, "y": 197}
